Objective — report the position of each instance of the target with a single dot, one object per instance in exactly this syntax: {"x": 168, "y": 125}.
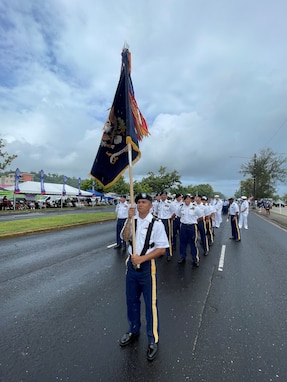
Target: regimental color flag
{"x": 125, "y": 124}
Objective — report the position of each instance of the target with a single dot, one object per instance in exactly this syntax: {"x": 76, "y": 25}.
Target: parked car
{"x": 49, "y": 201}
{"x": 279, "y": 203}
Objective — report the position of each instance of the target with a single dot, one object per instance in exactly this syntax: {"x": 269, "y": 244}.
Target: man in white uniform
{"x": 218, "y": 210}
{"x": 244, "y": 211}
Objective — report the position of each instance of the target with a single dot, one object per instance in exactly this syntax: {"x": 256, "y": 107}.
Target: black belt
{"x": 188, "y": 224}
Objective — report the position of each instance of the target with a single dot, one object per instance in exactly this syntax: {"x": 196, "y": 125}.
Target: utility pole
{"x": 254, "y": 182}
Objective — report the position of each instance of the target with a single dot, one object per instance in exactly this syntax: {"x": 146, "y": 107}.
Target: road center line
{"x": 221, "y": 260}
{"x": 111, "y": 245}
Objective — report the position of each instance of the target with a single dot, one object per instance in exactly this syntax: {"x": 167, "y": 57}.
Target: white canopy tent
{"x": 34, "y": 188}
{"x": 30, "y": 189}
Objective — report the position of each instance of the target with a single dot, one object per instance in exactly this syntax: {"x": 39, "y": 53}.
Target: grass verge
{"x": 52, "y": 222}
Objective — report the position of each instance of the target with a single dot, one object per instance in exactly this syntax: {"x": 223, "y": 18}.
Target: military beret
{"x": 143, "y": 195}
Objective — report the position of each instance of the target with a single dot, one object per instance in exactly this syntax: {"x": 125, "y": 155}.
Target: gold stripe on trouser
{"x": 154, "y": 308}
{"x": 237, "y": 229}
{"x": 210, "y": 232}
{"x": 196, "y": 237}
{"x": 206, "y": 238}
{"x": 126, "y": 262}
{"x": 169, "y": 235}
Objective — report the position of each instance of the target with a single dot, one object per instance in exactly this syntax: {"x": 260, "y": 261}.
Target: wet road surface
{"x": 62, "y": 297}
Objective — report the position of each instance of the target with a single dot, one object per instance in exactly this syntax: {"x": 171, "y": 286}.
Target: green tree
{"x": 246, "y": 188}
{"x": 266, "y": 170}
{"x": 87, "y": 184}
{"x": 203, "y": 189}
{"x": 120, "y": 187}
{"x": 163, "y": 181}
{"x": 6, "y": 159}
{"x": 56, "y": 178}
{"x": 141, "y": 187}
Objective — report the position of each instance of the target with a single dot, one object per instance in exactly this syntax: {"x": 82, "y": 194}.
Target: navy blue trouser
{"x": 175, "y": 230}
{"x": 235, "y": 231}
{"x": 137, "y": 283}
{"x": 202, "y": 230}
{"x": 209, "y": 232}
{"x": 166, "y": 223}
{"x": 188, "y": 236}
{"x": 120, "y": 225}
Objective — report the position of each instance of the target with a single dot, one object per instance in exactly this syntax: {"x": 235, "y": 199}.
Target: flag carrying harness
{"x": 147, "y": 245}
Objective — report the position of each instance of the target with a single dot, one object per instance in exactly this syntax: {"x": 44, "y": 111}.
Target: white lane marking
{"x": 111, "y": 245}
{"x": 221, "y": 260}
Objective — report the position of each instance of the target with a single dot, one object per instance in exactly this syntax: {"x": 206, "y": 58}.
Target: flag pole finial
{"x": 126, "y": 46}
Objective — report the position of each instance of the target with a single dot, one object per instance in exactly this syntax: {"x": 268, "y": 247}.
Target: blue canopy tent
{"x": 96, "y": 193}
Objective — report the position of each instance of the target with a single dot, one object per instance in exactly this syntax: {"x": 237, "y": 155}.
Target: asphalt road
{"x": 62, "y": 300}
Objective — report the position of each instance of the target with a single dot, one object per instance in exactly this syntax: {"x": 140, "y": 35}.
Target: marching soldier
{"x": 176, "y": 203}
{"x": 188, "y": 213}
{"x": 208, "y": 220}
{"x": 122, "y": 213}
{"x": 164, "y": 213}
{"x": 201, "y": 225}
{"x": 233, "y": 213}
{"x": 151, "y": 242}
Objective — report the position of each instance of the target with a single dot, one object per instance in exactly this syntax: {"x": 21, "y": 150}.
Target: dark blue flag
{"x": 125, "y": 124}
{"x": 17, "y": 178}
{"x": 64, "y": 186}
{"x": 43, "y": 192}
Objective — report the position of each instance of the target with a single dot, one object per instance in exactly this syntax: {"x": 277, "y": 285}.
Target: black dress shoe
{"x": 206, "y": 253}
{"x": 181, "y": 261}
{"x": 128, "y": 338}
{"x": 231, "y": 238}
{"x": 237, "y": 240}
{"x": 152, "y": 351}
{"x": 117, "y": 246}
{"x": 196, "y": 264}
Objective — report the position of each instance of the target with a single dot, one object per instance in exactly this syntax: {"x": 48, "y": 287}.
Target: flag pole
{"x": 132, "y": 197}
{"x": 127, "y": 70}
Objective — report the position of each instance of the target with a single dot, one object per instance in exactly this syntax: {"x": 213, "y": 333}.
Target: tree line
{"x": 263, "y": 172}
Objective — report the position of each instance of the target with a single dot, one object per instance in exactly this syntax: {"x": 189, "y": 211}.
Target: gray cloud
{"x": 209, "y": 78}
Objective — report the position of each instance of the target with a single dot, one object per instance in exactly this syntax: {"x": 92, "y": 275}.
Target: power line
{"x": 282, "y": 124}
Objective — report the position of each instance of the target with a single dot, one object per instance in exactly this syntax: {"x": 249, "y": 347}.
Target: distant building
{"x": 9, "y": 180}
{"x": 26, "y": 177}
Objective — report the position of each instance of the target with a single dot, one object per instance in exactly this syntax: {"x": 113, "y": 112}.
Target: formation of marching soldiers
{"x": 192, "y": 219}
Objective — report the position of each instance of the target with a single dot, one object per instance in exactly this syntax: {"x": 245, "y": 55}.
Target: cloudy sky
{"x": 209, "y": 76}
